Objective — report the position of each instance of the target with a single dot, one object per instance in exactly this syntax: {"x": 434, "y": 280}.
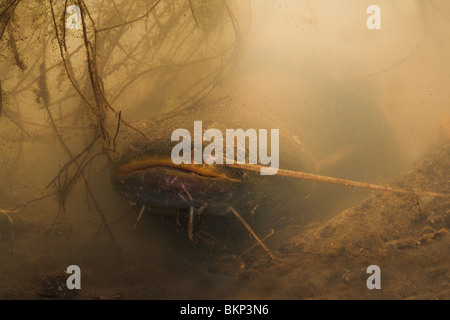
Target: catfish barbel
{"x": 146, "y": 175}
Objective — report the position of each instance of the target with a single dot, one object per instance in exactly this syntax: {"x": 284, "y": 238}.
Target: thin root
{"x": 346, "y": 182}
{"x": 271, "y": 233}
{"x": 139, "y": 218}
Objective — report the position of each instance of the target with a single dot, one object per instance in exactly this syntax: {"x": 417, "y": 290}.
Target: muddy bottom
{"x": 406, "y": 236}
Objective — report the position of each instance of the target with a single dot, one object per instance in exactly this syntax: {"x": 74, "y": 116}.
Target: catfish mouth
{"x": 143, "y": 164}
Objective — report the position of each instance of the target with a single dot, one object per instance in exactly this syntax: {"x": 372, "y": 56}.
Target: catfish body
{"x": 145, "y": 174}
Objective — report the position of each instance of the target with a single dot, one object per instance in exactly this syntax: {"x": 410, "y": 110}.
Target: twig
{"x": 346, "y": 182}
{"x": 61, "y": 207}
{"x": 63, "y": 19}
{"x": 117, "y": 131}
{"x": 12, "y": 45}
{"x": 16, "y": 209}
{"x": 70, "y": 162}
{"x": 11, "y": 6}
{"x": 246, "y": 225}
{"x": 400, "y": 62}
{"x": 271, "y": 233}
{"x": 96, "y": 81}
{"x": 8, "y": 212}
